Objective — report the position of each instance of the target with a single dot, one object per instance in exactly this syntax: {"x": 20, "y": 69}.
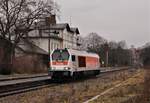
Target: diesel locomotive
{"x": 73, "y": 63}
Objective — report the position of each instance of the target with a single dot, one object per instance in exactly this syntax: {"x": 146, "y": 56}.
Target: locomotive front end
{"x": 59, "y": 63}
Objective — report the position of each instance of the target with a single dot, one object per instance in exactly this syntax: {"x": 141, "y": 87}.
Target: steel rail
{"x": 21, "y": 77}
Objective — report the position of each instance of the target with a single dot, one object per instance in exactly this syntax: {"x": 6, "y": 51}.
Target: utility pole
{"x": 49, "y": 47}
{"x": 106, "y": 54}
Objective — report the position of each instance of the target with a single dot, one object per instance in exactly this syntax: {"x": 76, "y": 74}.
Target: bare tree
{"x": 18, "y": 16}
{"x": 113, "y": 44}
{"x": 93, "y": 40}
{"x": 122, "y": 44}
{"x": 112, "y": 53}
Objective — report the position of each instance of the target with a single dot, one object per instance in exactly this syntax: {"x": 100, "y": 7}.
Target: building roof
{"x": 75, "y": 30}
{"x": 29, "y": 47}
{"x": 61, "y": 26}
{"x": 58, "y": 26}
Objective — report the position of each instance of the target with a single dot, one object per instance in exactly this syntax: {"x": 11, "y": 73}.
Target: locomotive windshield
{"x": 60, "y": 55}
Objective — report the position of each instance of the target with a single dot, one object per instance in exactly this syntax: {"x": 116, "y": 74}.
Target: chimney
{"x": 50, "y": 20}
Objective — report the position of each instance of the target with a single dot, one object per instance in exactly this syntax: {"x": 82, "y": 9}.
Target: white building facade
{"x": 53, "y": 36}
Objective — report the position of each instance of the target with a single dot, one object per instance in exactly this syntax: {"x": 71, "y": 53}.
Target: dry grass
{"x": 130, "y": 91}
{"x": 144, "y": 96}
{"x": 146, "y": 92}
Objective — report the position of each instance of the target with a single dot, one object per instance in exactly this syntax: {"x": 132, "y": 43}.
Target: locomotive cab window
{"x": 73, "y": 58}
{"x": 60, "y": 55}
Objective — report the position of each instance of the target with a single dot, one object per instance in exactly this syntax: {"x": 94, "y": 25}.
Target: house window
{"x": 51, "y": 46}
{"x": 57, "y": 45}
{"x": 40, "y": 32}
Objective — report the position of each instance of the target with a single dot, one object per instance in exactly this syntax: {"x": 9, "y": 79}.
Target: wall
{"x": 68, "y": 39}
{"x": 5, "y": 56}
{"x": 30, "y": 64}
{"x": 1, "y": 54}
{"x": 54, "y": 44}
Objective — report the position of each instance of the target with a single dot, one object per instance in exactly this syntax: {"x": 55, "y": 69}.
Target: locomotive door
{"x": 74, "y": 63}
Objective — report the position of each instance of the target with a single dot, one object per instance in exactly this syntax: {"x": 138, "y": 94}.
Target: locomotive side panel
{"x": 87, "y": 63}
{"x": 92, "y": 62}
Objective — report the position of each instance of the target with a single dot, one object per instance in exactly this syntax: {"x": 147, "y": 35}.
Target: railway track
{"x": 14, "y": 86}
{"x": 21, "y": 77}
{"x": 114, "y": 70}
{"x": 24, "y": 84}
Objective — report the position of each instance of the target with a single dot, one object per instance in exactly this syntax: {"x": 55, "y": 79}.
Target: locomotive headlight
{"x": 65, "y": 68}
{"x": 54, "y": 68}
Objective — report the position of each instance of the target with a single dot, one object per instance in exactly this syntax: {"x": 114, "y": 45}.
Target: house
{"x": 49, "y": 35}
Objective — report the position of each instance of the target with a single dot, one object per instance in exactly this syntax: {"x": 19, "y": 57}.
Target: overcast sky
{"x": 112, "y": 19}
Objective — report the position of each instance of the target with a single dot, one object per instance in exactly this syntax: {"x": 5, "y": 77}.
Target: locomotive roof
{"x": 83, "y": 53}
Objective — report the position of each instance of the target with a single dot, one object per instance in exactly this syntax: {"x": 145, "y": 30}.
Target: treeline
{"x": 119, "y": 57}
{"x": 145, "y": 55}
{"x": 118, "y": 54}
